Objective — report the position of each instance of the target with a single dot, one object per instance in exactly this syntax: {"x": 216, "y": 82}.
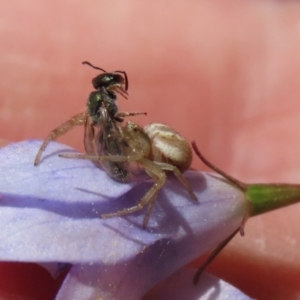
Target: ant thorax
{"x": 97, "y": 102}
{"x": 169, "y": 146}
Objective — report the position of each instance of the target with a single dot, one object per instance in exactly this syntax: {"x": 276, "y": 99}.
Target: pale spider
{"x": 157, "y": 148}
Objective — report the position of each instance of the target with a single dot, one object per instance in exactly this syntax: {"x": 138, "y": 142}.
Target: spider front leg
{"x": 76, "y": 120}
{"x": 159, "y": 178}
{"x": 112, "y": 158}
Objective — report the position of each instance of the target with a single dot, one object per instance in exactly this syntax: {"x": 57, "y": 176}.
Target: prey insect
{"x": 116, "y": 148}
{"x": 101, "y": 111}
{"x": 157, "y": 148}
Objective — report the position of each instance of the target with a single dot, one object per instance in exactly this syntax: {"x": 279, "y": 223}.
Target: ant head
{"x": 107, "y": 80}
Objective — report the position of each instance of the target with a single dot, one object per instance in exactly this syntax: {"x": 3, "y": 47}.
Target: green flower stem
{"x": 267, "y": 197}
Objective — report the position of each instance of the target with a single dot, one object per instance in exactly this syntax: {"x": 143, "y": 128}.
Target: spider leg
{"x": 76, "y": 120}
{"x": 112, "y": 158}
{"x": 149, "y": 210}
{"x": 178, "y": 174}
{"x": 159, "y": 177}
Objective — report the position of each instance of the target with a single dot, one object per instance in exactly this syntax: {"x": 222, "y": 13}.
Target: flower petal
{"x": 93, "y": 282}
{"x": 180, "y": 286}
{"x": 50, "y": 213}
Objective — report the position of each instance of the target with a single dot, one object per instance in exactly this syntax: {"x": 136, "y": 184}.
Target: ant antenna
{"x": 126, "y": 79}
{"x": 97, "y": 68}
{"x": 89, "y": 64}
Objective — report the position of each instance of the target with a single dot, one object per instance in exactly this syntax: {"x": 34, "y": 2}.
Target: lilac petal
{"x": 180, "y": 286}
{"x": 96, "y": 282}
{"x": 50, "y": 213}
{"x": 55, "y": 269}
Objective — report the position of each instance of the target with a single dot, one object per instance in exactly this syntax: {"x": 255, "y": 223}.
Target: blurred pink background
{"x": 223, "y": 73}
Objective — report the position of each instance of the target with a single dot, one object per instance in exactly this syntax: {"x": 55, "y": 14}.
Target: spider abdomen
{"x": 169, "y": 146}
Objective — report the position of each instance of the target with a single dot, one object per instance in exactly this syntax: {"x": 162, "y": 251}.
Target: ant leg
{"x": 76, "y": 120}
{"x": 116, "y": 88}
{"x": 122, "y": 93}
{"x": 89, "y": 136}
{"x": 129, "y": 114}
{"x": 180, "y": 177}
{"x": 159, "y": 177}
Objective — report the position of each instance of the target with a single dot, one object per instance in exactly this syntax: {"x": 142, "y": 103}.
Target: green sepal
{"x": 267, "y": 197}
{"x": 262, "y": 197}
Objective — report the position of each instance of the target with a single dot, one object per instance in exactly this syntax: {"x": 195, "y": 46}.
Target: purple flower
{"x": 50, "y": 215}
